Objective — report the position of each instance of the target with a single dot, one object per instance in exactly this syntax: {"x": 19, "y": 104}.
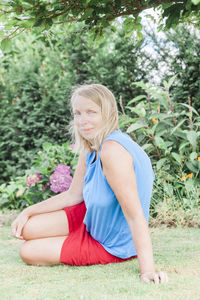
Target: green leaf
{"x": 168, "y": 84}
{"x": 5, "y": 44}
{"x": 136, "y": 126}
{"x": 160, "y": 142}
{"x": 191, "y": 167}
{"x": 178, "y": 125}
{"x": 190, "y": 108}
{"x": 27, "y": 23}
{"x": 139, "y": 35}
{"x": 140, "y": 111}
{"x": 136, "y": 99}
{"x": 176, "y": 157}
{"x": 193, "y": 156}
{"x": 195, "y": 2}
{"x": 192, "y": 137}
{"x": 128, "y": 34}
{"x": 147, "y": 146}
{"x": 38, "y": 23}
{"x": 46, "y": 146}
{"x": 183, "y": 145}
{"x": 87, "y": 13}
{"x": 160, "y": 163}
{"x": 168, "y": 188}
{"x": 141, "y": 84}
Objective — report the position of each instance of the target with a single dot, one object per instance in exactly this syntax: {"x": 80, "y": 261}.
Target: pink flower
{"x": 30, "y": 180}
{"x": 60, "y": 179}
{"x": 63, "y": 169}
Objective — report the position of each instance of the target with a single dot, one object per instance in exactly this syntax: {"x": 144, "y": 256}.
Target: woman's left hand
{"x": 157, "y": 277}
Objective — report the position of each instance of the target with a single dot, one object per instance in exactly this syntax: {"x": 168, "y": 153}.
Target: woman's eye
{"x": 76, "y": 114}
{"x": 92, "y": 112}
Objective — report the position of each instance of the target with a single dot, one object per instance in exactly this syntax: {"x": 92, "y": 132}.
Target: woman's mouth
{"x": 86, "y": 129}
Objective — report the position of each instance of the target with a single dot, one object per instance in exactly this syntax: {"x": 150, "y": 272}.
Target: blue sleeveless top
{"x": 104, "y": 218}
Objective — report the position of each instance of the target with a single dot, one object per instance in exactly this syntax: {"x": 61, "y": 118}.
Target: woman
{"x": 103, "y": 217}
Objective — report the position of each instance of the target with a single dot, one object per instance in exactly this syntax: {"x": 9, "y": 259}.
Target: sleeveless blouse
{"x": 104, "y": 218}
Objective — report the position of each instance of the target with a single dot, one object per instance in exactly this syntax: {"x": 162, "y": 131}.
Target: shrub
{"x": 37, "y": 75}
{"x": 33, "y": 107}
{"x": 169, "y": 133}
{"x": 39, "y": 182}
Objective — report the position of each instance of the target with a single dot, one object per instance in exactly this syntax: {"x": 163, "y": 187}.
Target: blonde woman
{"x": 103, "y": 217}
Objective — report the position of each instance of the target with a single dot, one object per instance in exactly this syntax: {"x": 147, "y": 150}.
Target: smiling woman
{"x": 95, "y": 112}
{"x": 103, "y": 217}
{"x": 87, "y": 117}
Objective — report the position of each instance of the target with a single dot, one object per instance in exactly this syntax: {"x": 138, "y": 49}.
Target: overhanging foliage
{"x": 20, "y": 15}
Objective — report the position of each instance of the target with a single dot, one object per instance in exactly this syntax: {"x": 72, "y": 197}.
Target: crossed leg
{"x": 44, "y": 235}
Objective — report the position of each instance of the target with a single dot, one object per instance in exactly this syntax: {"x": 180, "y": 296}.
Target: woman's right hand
{"x": 18, "y": 224}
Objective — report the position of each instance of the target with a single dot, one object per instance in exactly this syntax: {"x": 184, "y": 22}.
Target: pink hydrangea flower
{"x": 60, "y": 179}
{"x": 30, "y": 180}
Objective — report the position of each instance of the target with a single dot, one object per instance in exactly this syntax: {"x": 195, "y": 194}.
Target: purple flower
{"x": 30, "y": 180}
{"x": 63, "y": 169}
{"x": 60, "y": 179}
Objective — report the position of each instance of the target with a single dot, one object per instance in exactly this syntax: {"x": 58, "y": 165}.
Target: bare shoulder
{"x": 113, "y": 151}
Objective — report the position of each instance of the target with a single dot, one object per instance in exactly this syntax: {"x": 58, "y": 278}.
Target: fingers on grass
{"x": 163, "y": 277}
{"x": 146, "y": 280}
{"x": 156, "y": 278}
{"x": 159, "y": 277}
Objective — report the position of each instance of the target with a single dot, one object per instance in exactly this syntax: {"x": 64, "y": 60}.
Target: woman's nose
{"x": 83, "y": 119}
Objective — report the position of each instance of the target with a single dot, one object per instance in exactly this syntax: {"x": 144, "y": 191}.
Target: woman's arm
{"x": 118, "y": 169}
{"x": 72, "y": 196}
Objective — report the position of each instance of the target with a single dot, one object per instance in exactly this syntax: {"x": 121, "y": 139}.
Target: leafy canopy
{"x": 20, "y": 15}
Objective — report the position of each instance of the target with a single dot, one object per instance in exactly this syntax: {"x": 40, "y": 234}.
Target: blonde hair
{"x": 103, "y": 97}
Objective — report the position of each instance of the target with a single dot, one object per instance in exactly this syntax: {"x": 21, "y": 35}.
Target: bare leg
{"x": 43, "y": 252}
{"x": 46, "y": 225}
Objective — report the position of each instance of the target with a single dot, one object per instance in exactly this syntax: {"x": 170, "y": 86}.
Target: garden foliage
{"x": 35, "y": 84}
{"x": 19, "y": 15}
{"x": 50, "y": 173}
{"x": 35, "y": 87}
{"x": 170, "y": 134}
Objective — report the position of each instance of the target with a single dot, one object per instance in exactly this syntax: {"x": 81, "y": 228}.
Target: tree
{"x": 20, "y": 15}
{"x": 177, "y": 53}
{"x": 114, "y": 63}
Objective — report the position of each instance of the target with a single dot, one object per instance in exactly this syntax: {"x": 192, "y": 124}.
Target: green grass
{"x": 176, "y": 250}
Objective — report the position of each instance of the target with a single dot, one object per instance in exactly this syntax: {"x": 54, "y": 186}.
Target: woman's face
{"x": 87, "y": 117}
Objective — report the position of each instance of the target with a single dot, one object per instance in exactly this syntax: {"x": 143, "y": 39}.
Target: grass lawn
{"x": 176, "y": 250}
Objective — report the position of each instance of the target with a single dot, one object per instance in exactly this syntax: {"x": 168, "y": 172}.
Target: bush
{"x": 174, "y": 201}
{"x": 35, "y": 83}
{"x": 35, "y": 185}
{"x": 34, "y": 107}
{"x": 169, "y": 133}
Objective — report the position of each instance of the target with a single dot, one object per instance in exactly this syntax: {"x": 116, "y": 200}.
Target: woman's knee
{"x": 46, "y": 225}
{"x": 26, "y": 252}
{"x": 28, "y": 231}
{"x": 42, "y": 251}
{"x": 31, "y": 254}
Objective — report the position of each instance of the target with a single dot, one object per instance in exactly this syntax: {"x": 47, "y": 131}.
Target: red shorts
{"x": 80, "y": 248}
